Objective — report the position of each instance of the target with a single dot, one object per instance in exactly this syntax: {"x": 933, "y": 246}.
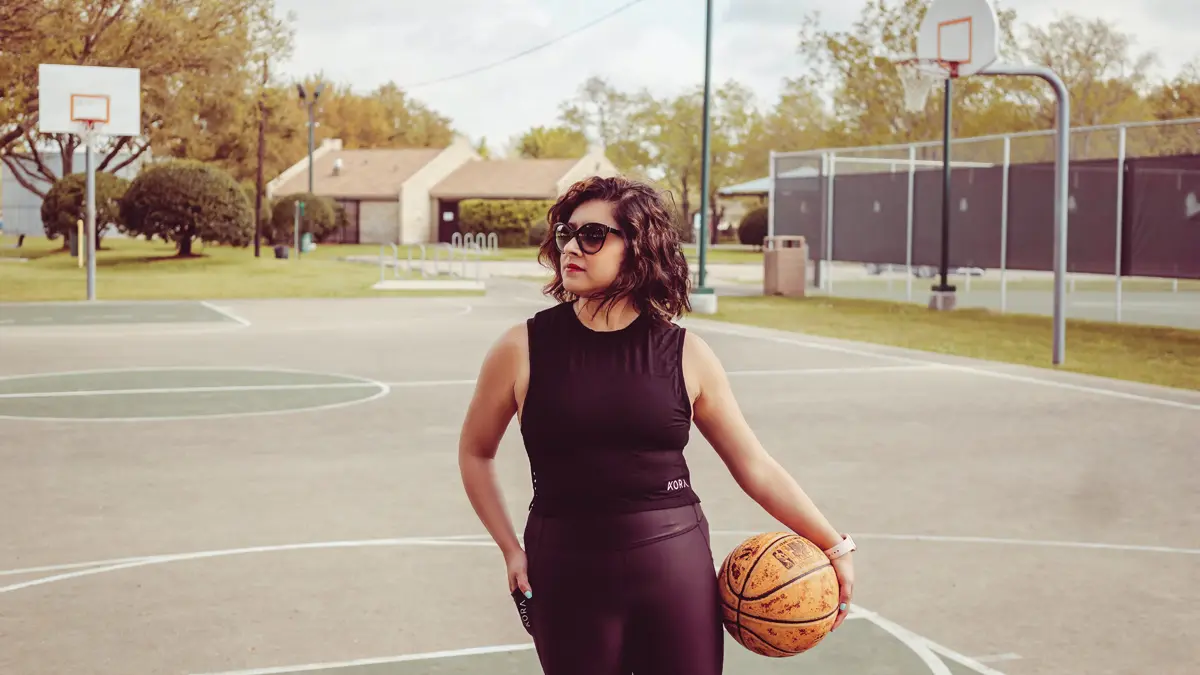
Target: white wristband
{"x": 843, "y": 547}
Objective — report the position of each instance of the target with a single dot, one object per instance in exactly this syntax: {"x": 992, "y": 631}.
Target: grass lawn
{"x": 128, "y": 269}
{"x": 1162, "y": 356}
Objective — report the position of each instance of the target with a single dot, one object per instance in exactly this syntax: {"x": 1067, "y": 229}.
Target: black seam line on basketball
{"x": 764, "y": 641}
{"x": 750, "y": 572}
{"x": 792, "y": 622}
{"x": 787, "y": 583}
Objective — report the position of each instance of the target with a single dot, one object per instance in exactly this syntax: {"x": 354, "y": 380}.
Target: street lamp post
{"x": 703, "y": 299}
{"x": 311, "y": 105}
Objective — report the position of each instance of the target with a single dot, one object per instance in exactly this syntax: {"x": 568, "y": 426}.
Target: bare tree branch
{"x": 17, "y": 170}
{"x": 141, "y": 148}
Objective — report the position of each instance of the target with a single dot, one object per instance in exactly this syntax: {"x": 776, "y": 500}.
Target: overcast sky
{"x": 658, "y": 44}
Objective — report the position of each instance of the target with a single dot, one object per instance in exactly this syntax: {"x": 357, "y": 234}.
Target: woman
{"x": 618, "y": 571}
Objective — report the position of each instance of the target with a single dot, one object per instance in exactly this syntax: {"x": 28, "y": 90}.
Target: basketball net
{"x": 918, "y": 77}
{"x": 89, "y": 132}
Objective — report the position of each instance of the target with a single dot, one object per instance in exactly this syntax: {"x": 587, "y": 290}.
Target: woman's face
{"x": 591, "y": 260}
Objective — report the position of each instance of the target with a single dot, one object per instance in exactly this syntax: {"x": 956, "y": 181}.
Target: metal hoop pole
{"x": 89, "y": 140}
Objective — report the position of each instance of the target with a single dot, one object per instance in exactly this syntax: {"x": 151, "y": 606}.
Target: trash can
{"x": 281, "y": 252}
{"x": 785, "y": 261}
{"x": 73, "y": 243}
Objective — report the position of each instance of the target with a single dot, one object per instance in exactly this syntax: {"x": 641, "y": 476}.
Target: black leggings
{"x": 630, "y": 593}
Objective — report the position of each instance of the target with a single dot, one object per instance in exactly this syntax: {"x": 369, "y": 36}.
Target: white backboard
{"x": 110, "y": 96}
{"x": 966, "y": 31}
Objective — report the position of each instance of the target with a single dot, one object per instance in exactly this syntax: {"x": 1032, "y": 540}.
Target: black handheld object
{"x": 524, "y": 609}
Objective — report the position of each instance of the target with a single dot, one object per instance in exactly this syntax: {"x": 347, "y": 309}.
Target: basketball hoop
{"x": 918, "y": 77}
{"x": 89, "y": 131}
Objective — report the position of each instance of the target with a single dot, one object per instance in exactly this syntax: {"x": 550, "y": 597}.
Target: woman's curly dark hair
{"x": 654, "y": 274}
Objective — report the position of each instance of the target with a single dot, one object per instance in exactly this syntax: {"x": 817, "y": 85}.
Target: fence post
{"x": 827, "y": 263}
{"x": 1004, "y": 225}
{"x": 908, "y": 253}
{"x": 771, "y": 195}
{"x": 1120, "y": 213}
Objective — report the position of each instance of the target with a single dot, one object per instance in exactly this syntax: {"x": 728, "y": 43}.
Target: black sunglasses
{"x": 591, "y": 236}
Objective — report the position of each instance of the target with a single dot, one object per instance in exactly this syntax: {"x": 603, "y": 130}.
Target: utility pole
{"x": 262, "y": 133}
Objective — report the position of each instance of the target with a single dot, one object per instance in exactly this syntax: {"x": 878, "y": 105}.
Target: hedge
{"x": 513, "y": 220}
{"x": 753, "y": 228}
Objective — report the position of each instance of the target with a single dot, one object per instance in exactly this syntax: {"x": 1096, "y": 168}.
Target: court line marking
{"x": 384, "y": 390}
{"x": 64, "y": 331}
{"x": 208, "y": 328}
{"x": 449, "y": 653}
{"x": 469, "y": 540}
{"x": 920, "y": 645}
{"x": 996, "y": 658}
{"x": 173, "y": 368}
{"x": 912, "y": 639}
{"x": 954, "y": 539}
{"x": 233, "y": 388}
{"x": 485, "y": 540}
{"x": 129, "y": 563}
{"x": 1114, "y": 393}
{"x": 187, "y": 390}
{"x": 225, "y": 312}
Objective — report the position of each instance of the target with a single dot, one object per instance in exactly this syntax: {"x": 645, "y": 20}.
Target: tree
{"x": 559, "y": 142}
{"x": 183, "y": 200}
{"x": 855, "y": 69}
{"x": 608, "y": 117}
{"x": 195, "y": 46}
{"x": 1178, "y": 98}
{"x": 797, "y": 121}
{"x": 66, "y": 204}
{"x": 23, "y": 26}
{"x": 384, "y": 118}
{"x": 1096, "y": 62}
{"x": 673, "y": 131}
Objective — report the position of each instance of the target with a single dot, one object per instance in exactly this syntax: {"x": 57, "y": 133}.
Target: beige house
{"x": 411, "y": 195}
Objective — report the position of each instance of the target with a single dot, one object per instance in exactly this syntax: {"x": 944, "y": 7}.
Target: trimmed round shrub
{"x": 183, "y": 200}
{"x": 753, "y": 228}
{"x": 66, "y": 204}
{"x": 319, "y": 218}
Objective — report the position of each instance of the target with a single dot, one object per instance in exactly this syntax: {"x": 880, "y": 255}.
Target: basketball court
{"x": 281, "y": 495}
{"x": 253, "y": 487}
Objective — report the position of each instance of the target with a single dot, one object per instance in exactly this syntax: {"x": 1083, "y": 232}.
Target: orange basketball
{"x": 779, "y": 594}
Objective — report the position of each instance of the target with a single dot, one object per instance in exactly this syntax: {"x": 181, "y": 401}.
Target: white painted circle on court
{"x": 229, "y": 402}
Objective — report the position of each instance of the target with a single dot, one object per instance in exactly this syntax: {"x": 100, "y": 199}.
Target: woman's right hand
{"x": 518, "y": 574}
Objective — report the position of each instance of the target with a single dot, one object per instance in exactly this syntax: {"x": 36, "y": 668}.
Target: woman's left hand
{"x": 844, "y": 567}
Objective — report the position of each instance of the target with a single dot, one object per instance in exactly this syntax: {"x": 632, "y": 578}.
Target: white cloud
{"x": 657, "y": 44}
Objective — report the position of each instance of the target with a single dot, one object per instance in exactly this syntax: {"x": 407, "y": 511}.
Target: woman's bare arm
{"x": 491, "y": 409}
{"x": 719, "y": 418}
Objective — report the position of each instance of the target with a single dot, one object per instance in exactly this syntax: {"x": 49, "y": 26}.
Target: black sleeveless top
{"x": 606, "y": 416}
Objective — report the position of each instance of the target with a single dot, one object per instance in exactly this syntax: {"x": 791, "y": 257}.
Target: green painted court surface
{"x": 104, "y": 312}
{"x": 283, "y": 496}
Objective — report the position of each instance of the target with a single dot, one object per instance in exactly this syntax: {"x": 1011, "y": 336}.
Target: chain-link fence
{"x": 873, "y": 220}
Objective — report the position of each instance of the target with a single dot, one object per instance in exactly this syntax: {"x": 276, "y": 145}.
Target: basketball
{"x": 779, "y": 594}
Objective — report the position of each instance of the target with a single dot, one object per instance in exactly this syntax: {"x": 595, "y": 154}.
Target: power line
{"x": 527, "y": 52}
